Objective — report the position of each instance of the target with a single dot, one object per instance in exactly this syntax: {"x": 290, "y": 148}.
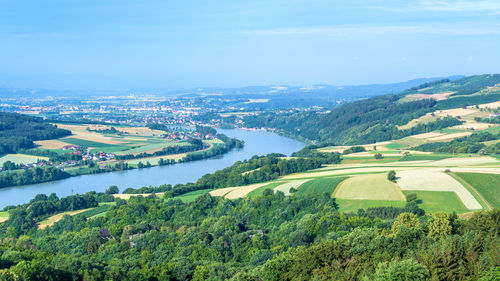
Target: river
{"x": 256, "y": 143}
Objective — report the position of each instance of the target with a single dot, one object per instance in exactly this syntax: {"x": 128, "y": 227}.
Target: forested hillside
{"x": 269, "y": 237}
{"x": 376, "y": 119}
{"x": 18, "y": 131}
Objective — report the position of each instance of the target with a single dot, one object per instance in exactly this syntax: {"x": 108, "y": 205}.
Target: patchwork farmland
{"x": 364, "y": 185}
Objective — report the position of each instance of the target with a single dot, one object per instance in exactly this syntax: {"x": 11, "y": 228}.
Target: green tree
{"x": 112, "y": 190}
{"x": 440, "y": 227}
{"x": 391, "y": 176}
{"x": 400, "y": 270}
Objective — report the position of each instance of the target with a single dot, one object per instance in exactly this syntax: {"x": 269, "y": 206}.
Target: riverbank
{"x": 256, "y": 143}
{"x": 41, "y": 174}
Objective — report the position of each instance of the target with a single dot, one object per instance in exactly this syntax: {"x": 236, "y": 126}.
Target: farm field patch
{"x": 242, "y": 191}
{"x": 343, "y": 171}
{"x": 439, "y": 201}
{"x": 191, "y": 196}
{"x": 21, "y": 158}
{"x": 319, "y": 186}
{"x": 431, "y": 180}
{"x": 487, "y": 185}
{"x": 369, "y": 187}
{"x": 260, "y": 190}
{"x": 84, "y": 142}
{"x": 55, "y": 218}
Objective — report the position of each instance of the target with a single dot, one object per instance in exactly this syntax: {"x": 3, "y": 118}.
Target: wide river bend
{"x": 256, "y": 143}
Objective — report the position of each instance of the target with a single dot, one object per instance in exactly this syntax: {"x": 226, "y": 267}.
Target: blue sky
{"x": 97, "y": 44}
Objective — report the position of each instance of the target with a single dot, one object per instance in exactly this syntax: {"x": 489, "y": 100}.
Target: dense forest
{"x": 269, "y": 237}
{"x": 18, "y": 131}
{"x": 31, "y": 175}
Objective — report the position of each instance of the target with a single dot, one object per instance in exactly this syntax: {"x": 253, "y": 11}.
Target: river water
{"x": 256, "y": 143}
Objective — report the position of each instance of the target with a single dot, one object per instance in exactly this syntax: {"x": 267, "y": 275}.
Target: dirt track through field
{"x": 431, "y": 180}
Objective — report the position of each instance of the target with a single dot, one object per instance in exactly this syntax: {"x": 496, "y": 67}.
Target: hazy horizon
{"x": 229, "y": 44}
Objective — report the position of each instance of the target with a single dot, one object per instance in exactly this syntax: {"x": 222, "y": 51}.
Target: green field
{"x": 439, "y": 201}
{"x": 4, "y": 214}
{"x": 319, "y": 186}
{"x": 420, "y": 157}
{"x": 260, "y": 190}
{"x": 151, "y": 146}
{"x": 394, "y": 145}
{"x": 369, "y": 187}
{"x": 347, "y": 205}
{"x": 87, "y": 143}
{"x": 191, "y": 196}
{"x": 487, "y": 185}
{"x": 368, "y": 159}
{"x": 110, "y": 149}
{"x": 21, "y": 158}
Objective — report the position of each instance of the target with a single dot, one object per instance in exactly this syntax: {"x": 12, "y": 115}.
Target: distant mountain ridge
{"x": 320, "y": 91}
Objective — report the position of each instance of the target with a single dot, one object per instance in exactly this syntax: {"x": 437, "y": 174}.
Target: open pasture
{"x": 319, "y": 186}
{"x": 439, "y": 201}
{"x": 431, "y": 180}
{"x": 21, "y": 158}
{"x": 487, "y": 185}
{"x": 260, "y": 190}
{"x": 369, "y": 187}
{"x": 191, "y": 196}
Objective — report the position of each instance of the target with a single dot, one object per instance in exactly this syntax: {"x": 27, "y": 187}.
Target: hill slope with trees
{"x": 376, "y": 119}
{"x": 18, "y": 131}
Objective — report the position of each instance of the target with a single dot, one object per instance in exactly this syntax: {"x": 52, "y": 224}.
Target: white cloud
{"x": 468, "y": 58}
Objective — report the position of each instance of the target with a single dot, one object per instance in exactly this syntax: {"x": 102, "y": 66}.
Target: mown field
{"x": 364, "y": 185}
{"x": 21, "y": 158}
{"x": 487, "y": 185}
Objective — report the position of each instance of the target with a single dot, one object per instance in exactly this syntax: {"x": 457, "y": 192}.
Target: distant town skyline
{"x": 114, "y": 44}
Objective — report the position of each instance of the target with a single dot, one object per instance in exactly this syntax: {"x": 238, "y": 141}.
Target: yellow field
{"x": 342, "y": 171}
{"x": 55, "y": 218}
{"x": 154, "y": 160}
{"x": 491, "y": 105}
{"x": 445, "y": 137}
{"x": 369, "y": 187}
{"x": 242, "y": 191}
{"x": 51, "y": 144}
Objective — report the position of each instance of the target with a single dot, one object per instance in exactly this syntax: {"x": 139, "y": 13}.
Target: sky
{"x": 147, "y": 44}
